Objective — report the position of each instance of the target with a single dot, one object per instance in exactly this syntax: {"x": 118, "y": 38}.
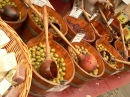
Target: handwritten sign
{"x": 126, "y": 1}
{"x": 75, "y": 12}
{"x": 110, "y": 21}
{"x": 40, "y": 3}
{"x": 78, "y": 37}
{"x": 58, "y": 88}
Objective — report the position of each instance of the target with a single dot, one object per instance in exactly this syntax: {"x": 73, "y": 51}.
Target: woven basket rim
{"x": 24, "y": 87}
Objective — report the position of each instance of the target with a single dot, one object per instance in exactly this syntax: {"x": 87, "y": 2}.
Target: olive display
{"x": 6, "y": 2}
{"x": 39, "y": 22}
{"x": 83, "y": 50}
{"x": 78, "y": 29}
{"x": 106, "y": 57}
{"x": 38, "y": 54}
{"x": 15, "y": 12}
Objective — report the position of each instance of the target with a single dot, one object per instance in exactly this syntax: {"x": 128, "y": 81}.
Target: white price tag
{"x": 78, "y": 37}
{"x": 40, "y": 3}
{"x": 115, "y": 72}
{"x": 93, "y": 16}
{"x": 76, "y": 12}
{"x": 110, "y": 21}
{"x": 58, "y": 88}
{"x": 126, "y": 1}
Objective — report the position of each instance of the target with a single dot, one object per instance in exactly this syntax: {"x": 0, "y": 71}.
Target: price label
{"x": 58, "y": 88}
{"x": 40, "y": 3}
{"x": 93, "y": 16}
{"x": 78, "y": 37}
{"x": 76, "y": 12}
{"x": 116, "y": 72}
{"x": 110, "y": 21}
{"x": 126, "y": 31}
{"x": 126, "y": 1}
{"x": 123, "y": 18}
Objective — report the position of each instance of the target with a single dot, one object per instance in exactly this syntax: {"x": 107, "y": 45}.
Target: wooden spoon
{"x": 110, "y": 28}
{"x": 87, "y": 62}
{"x": 124, "y": 46}
{"x": 110, "y": 58}
{"x": 48, "y": 68}
{"x": 87, "y": 17}
{"x": 29, "y": 3}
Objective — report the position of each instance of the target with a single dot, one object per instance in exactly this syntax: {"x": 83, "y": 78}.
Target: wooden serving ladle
{"x": 125, "y": 52}
{"x": 87, "y": 62}
{"x": 110, "y": 58}
{"x": 110, "y": 28}
{"x": 48, "y": 68}
{"x": 87, "y": 17}
{"x": 28, "y": 2}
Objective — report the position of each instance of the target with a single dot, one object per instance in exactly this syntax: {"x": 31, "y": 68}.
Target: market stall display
{"x": 80, "y": 49}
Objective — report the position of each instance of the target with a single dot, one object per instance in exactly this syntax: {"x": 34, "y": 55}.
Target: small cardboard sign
{"x": 123, "y": 18}
{"x": 58, "y": 88}
{"x": 78, "y": 37}
{"x": 110, "y": 21}
{"x": 40, "y": 3}
{"x": 126, "y": 31}
{"x": 93, "y": 16}
{"x": 75, "y": 12}
{"x": 126, "y": 1}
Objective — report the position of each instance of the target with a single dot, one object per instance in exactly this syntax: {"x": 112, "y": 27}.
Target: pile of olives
{"x": 38, "y": 54}
{"x": 39, "y": 22}
{"x": 84, "y": 51}
{"x": 100, "y": 47}
{"x": 6, "y": 2}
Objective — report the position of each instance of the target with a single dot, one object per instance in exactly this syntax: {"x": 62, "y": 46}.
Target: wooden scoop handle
{"x": 60, "y": 33}
{"x": 125, "y": 62}
{"x": 122, "y": 36}
{"x": 45, "y": 23}
{"x": 105, "y": 19}
{"x": 87, "y": 17}
{"x": 29, "y": 3}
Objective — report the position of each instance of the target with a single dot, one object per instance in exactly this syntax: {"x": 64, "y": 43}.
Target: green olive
{"x": 33, "y": 59}
{"x": 53, "y": 50}
{"x": 63, "y": 68}
{"x": 56, "y": 55}
{"x": 63, "y": 73}
{"x": 60, "y": 70}
{"x": 63, "y": 64}
{"x": 61, "y": 60}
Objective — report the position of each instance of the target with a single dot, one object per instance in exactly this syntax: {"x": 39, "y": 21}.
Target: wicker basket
{"x": 17, "y": 46}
